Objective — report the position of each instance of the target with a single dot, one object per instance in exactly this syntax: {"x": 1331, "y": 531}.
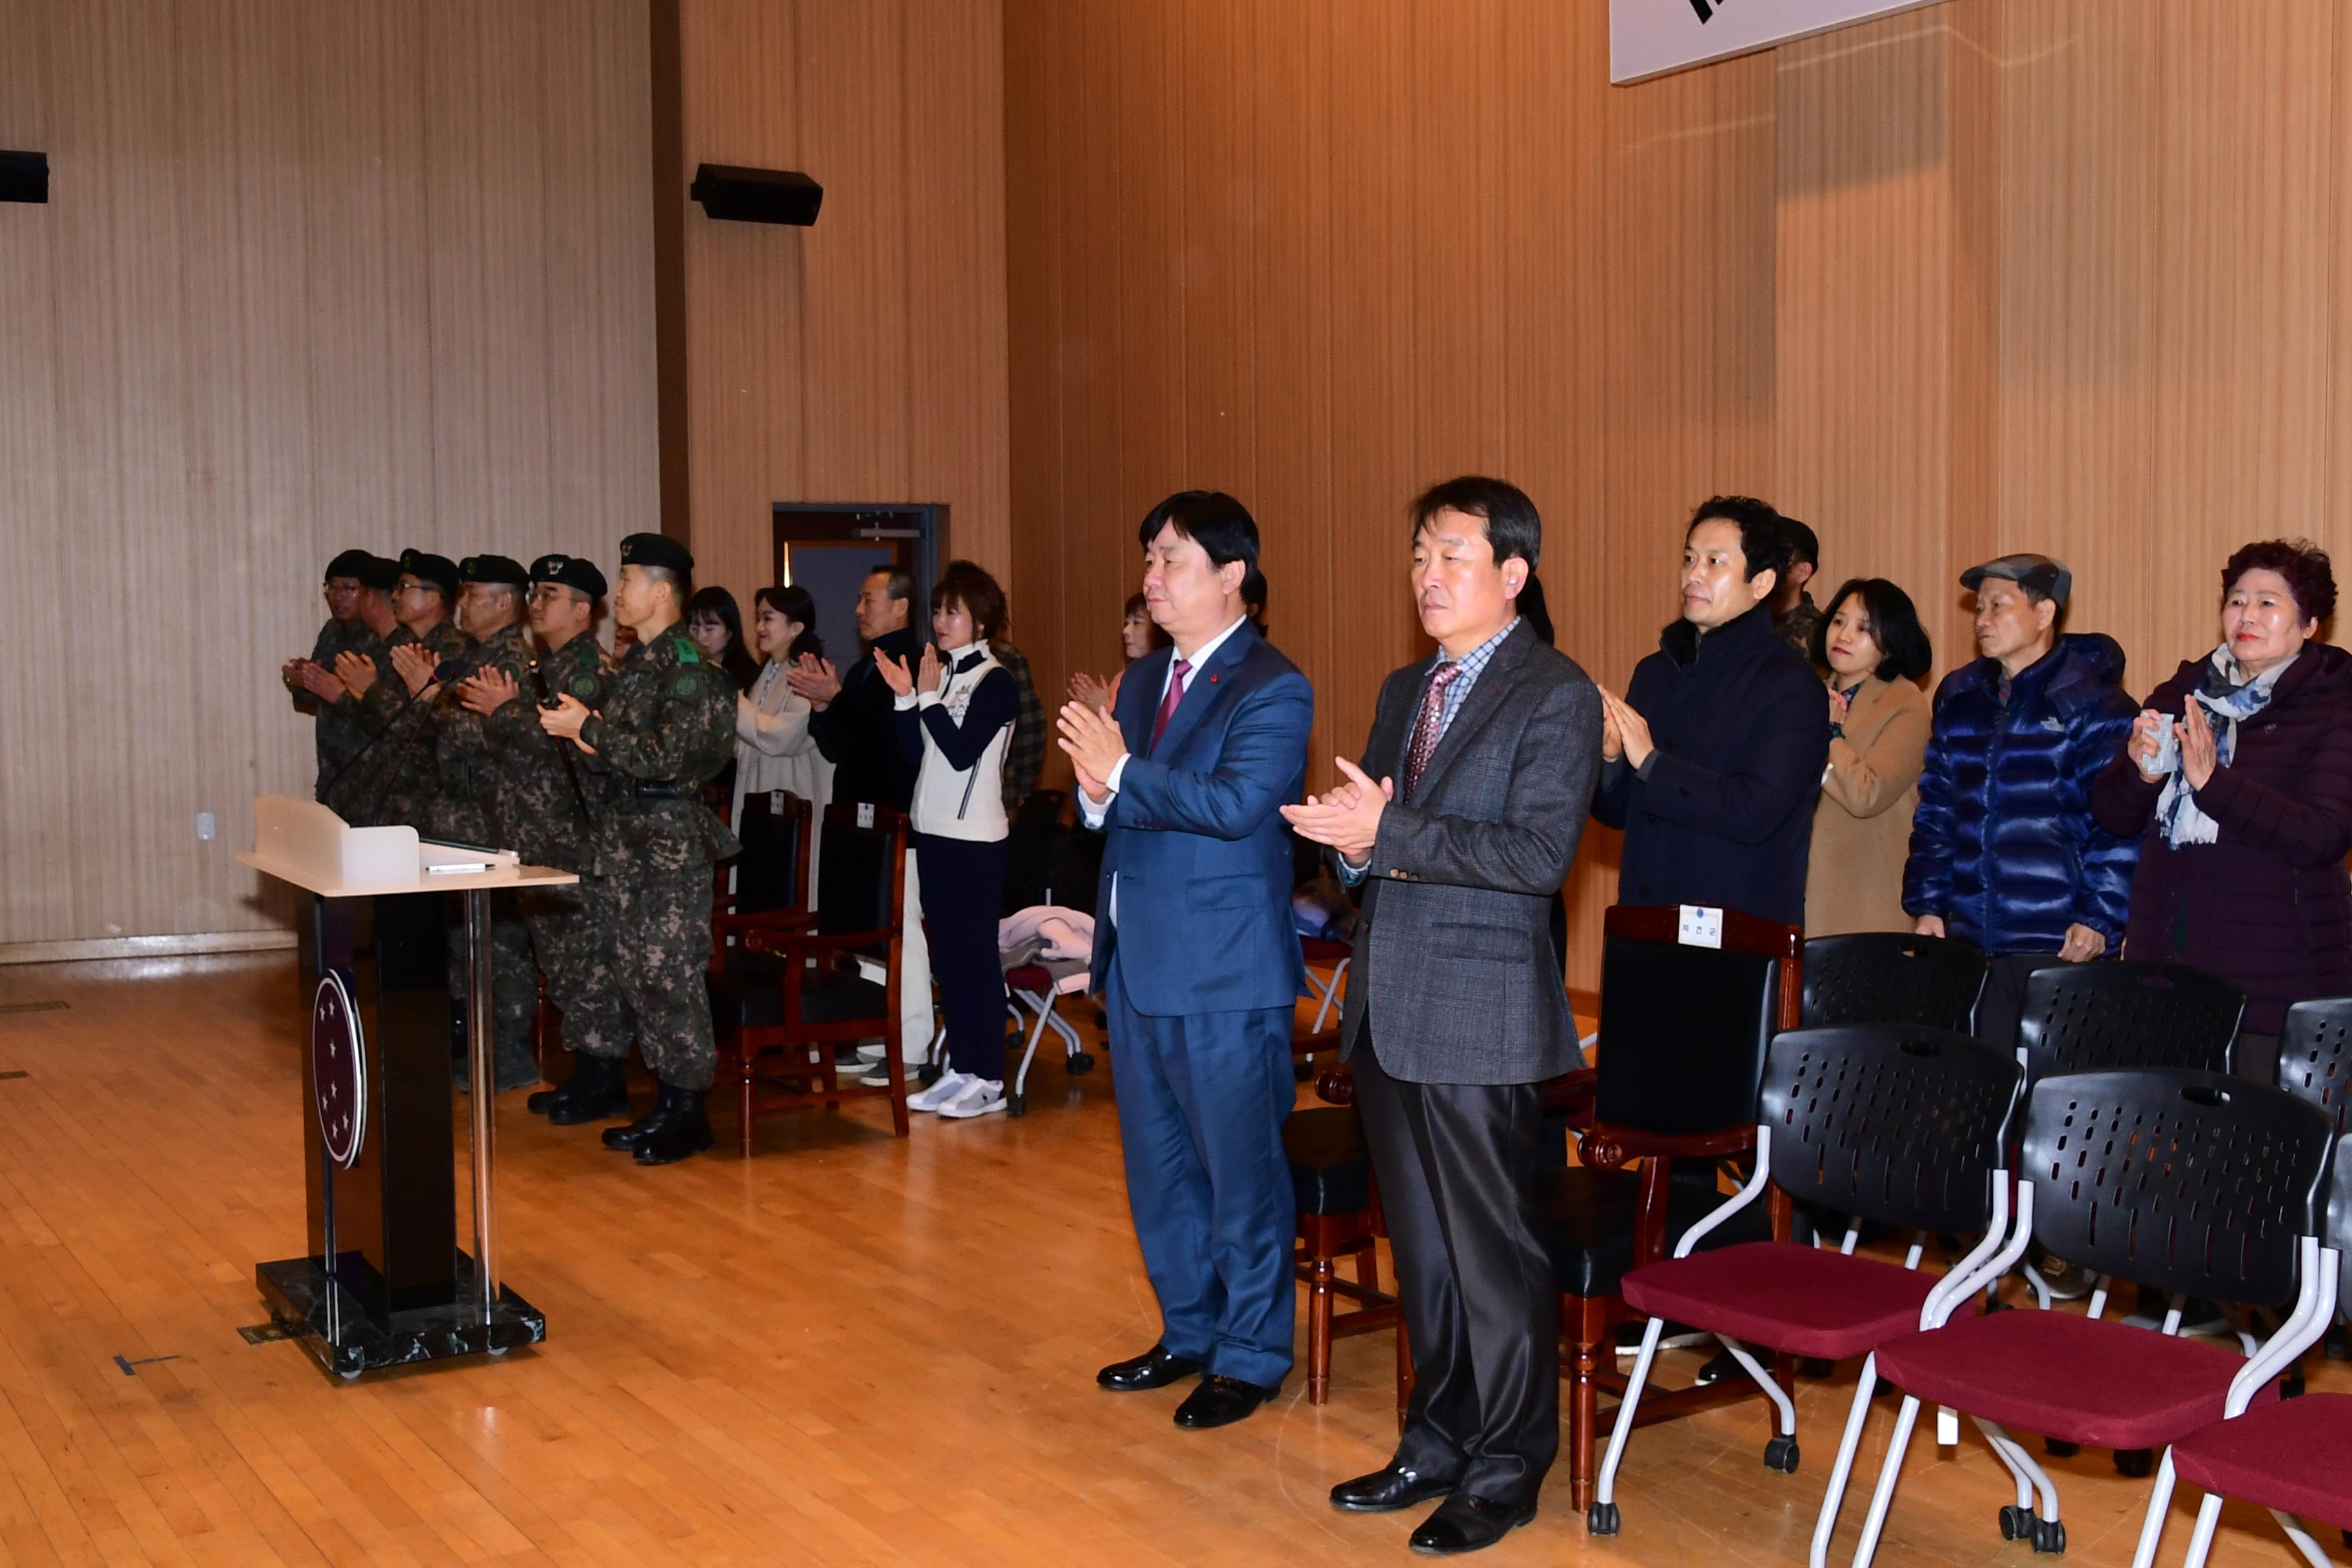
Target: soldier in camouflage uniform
{"x": 390, "y": 780}
{"x": 339, "y": 739}
{"x": 666, "y": 728}
{"x": 546, "y": 801}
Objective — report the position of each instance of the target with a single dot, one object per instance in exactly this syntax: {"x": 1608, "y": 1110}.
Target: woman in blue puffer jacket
{"x": 2005, "y": 853}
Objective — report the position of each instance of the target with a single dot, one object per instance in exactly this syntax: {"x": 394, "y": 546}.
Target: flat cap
{"x": 2040, "y": 576}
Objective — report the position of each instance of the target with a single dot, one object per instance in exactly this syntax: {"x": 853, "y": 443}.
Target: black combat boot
{"x": 598, "y": 1092}
{"x": 645, "y": 1126}
{"x": 688, "y": 1131}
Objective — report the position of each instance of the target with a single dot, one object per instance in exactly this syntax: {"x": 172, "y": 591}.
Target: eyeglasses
{"x": 417, "y": 588}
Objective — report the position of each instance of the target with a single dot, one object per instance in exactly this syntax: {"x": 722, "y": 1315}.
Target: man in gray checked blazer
{"x": 1461, "y": 823}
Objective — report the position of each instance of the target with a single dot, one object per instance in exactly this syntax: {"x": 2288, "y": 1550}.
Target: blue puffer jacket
{"x": 2004, "y": 845}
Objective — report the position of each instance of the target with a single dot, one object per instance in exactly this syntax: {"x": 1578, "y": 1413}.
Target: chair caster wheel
{"x": 1080, "y": 1065}
{"x": 2016, "y": 1524}
{"x": 2059, "y": 1450}
{"x": 2138, "y": 1463}
{"x": 1816, "y": 1366}
{"x": 499, "y": 1350}
{"x": 1601, "y": 1519}
{"x": 2050, "y": 1536}
{"x": 1016, "y": 1105}
{"x": 929, "y": 1073}
{"x": 1780, "y": 1454}
{"x": 349, "y": 1377}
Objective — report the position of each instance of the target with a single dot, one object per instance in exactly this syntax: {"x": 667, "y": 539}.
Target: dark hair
{"x": 1802, "y": 543}
{"x": 973, "y": 591}
{"x": 681, "y": 583}
{"x": 795, "y": 603}
{"x": 1903, "y": 651}
{"x": 902, "y": 585}
{"x": 1513, "y": 528}
{"x": 1534, "y": 611}
{"x": 719, "y": 605}
{"x": 1220, "y": 525}
{"x": 2304, "y": 564}
{"x": 1762, "y": 542}
{"x": 1254, "y": 599}
{"x": 1136, "y": 605}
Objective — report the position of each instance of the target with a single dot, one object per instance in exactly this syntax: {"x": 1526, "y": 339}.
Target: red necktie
{"x": 1168, "y": 701}
{"x": 1431, "y": 725}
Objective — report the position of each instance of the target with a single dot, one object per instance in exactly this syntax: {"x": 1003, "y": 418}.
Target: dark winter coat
{"x": 2003, "y": 846}
{"x": 2268, "y": 907}
{"x": 1722, "y": 813}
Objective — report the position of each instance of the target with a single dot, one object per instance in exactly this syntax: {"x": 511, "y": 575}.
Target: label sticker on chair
{"x": 865, "y": 813}
{"x": 1701, "y": 926}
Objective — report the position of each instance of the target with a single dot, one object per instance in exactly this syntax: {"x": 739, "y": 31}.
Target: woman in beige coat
{"x": 1875, "y": 651}
{"x": 773, "y": 748}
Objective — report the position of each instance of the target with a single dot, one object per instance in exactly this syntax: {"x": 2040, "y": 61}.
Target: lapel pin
{"x": 1212, "y": 679}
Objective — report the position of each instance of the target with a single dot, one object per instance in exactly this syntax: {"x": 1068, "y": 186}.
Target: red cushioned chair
{"x": 1903, "y": 1127}
{"x": 2194, "y": 1182}
{"x": 2293, "y": 1457}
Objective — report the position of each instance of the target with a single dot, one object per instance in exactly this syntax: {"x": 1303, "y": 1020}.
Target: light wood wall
{"x": 862, "y": 360}
{"x": 372, "y": 273}
{"x": 2063, "y": 275}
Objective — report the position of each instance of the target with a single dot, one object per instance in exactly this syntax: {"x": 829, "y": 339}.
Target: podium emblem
{"x": 337, "y": 1070}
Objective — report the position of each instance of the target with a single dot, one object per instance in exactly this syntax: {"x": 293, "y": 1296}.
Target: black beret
{"x": 493, "y": 569}
{"x": 438, "y": 570}
{"x": 380, "y": 573}
{"x": 572, "y": 571}
{"x": 657, "y": 550}
{"x": 350, "y": 563}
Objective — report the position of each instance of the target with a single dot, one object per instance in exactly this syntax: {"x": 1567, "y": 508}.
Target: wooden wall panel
{"x": 311, "y": 277}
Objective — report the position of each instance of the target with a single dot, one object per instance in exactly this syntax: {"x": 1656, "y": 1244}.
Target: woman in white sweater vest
{"x": 955, "y": 714}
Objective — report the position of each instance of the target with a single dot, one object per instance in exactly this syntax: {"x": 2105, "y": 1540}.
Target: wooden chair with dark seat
{"x": 1683, "y": 1033}
{"x": 1339, "y": 1217}
{"x": 1891, "y": 977}
{"x": 770, "y": 878}
{"x": 796, "y": 993}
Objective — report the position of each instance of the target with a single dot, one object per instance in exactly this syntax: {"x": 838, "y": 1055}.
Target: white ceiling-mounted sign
{"x": 1651, "y": 37}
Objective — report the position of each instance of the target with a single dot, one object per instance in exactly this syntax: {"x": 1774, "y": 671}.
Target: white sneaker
{"x": 978, "y": 1098}
{"x": 872, "y": 1053}
{"x": 950, "y": 1084}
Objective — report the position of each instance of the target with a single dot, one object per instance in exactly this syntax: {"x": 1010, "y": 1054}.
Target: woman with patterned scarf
{"x": 2239, "y": 772}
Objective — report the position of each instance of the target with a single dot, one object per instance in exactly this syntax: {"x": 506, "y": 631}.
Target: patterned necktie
{"x": 1175, "y": 694}
{"x": 1431, "y": 725}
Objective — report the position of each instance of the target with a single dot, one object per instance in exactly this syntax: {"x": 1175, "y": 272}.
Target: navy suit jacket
{"x": 1199, "y": 852}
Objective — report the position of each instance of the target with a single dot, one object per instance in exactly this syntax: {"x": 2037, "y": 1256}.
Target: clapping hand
{"x": 1093, "y": 745}
{"x": 1839, "y": 703}
{"x": 356, "y": 672}
{"x": 1091, "y": 690}
{"x": 2146, "y": 744}
{"x": 2198, "y": 755}
{"x": 563, "y": 721}
{"x": 489, "y": 691}
{"x": 895, "y": 673}
{"x": 815, "y": 679}
{"x": 1631, "y": 731}
{"x": 315, "y": 680}
{"x": 1347, "y": 818}
{"x": 928, "y": 678}
{"x": 415, "y": 664}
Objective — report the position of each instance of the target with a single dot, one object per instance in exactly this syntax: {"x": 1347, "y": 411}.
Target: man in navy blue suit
{"x": 1198, "y": 962}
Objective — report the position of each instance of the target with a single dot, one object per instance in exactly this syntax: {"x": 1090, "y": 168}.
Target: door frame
{"x": 927, "y": 520}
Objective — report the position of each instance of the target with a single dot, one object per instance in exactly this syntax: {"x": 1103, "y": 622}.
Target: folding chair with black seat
{"x": 2193, "y": 1182}
{"x": 1891, "y": 977}
{"x": 2293, "y": 1457}
{"x": 1684, "y": 1029}
{"x": 1903, "y": 1125}
{"x": 812, "y": 999}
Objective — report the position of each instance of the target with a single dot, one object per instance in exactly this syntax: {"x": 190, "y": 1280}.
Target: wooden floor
{"x": 849, "y": 1350}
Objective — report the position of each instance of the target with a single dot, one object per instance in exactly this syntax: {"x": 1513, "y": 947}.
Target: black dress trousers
{"x": 1457, "y": 1171}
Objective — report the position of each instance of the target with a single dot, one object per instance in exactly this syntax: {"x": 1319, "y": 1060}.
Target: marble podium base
{"x": 340, "y": 1336}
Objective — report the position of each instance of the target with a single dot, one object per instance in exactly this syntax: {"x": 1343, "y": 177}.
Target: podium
{"x": 384, "y": 1282}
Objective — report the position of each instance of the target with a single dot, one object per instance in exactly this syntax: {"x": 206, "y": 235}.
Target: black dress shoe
{"x": 1466, "y": 1523}
{"x": 626, "y": 1138}
{"x": 687, "y": 1132}
{"x": 1385, "y": 1491}
{"x": 1155, "y": 1368}
{"x": 598, "y": 1092}
{"x": 1221, "y": 1402}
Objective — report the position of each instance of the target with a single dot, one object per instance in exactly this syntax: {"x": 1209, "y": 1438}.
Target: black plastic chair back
{"x": 775, "y": 832}
{"x": 1032, "y": 842}
{"x": 2315, "y": 1059}
{"x": 1077, "y": 871}
{"x": 2190, "y": 1182}
{"x": 1891, "y": 977}
{"x": 857, "y": 869}
{"x": 1683, "y": 1035}
{"x": 2090, "y": 1017}
{"x": 1892, "y": 1123}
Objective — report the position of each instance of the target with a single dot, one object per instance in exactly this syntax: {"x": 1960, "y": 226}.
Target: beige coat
{"x": 1862, "y": 826}
{"x": 773, "y": 750}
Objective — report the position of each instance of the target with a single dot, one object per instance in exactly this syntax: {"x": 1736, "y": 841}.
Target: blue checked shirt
{"x": 1473, "y": 664}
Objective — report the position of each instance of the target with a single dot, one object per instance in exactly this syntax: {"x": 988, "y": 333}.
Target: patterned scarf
{"x": 2228, "y": 699}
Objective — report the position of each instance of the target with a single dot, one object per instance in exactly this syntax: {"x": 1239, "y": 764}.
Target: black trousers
{"x": 1457, "y": 1171}
{"x": 963, "y": 887}
{"x": 2001, "y": 1003}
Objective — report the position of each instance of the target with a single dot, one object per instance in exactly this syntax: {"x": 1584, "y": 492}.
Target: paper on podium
{"x": 304, "y": 843}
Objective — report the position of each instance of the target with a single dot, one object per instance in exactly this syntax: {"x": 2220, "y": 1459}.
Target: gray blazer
{"x": 1454, "y": 960}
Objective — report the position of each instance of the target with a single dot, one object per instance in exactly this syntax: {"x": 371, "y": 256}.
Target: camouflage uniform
{"x": 393, "y": 779}
{"x": 339, "y": 738}
{"x": 355, "y": 791}
{"x": 545, "y": 805}
{"x": 1795, "y": 626}
{"x": 667, "y": 727}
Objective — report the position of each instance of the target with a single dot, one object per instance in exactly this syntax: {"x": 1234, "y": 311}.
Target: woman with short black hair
{"x": 1871, "y": 644}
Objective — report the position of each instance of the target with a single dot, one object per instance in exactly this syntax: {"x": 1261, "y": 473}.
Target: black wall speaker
{"x": 756, "y": 195}
{"x": 23, "y": 177}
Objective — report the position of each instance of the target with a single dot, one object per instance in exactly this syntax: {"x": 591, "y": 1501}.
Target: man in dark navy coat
{"x": 1197, "y": 960}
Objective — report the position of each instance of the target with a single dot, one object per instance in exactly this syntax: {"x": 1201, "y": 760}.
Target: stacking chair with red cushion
{"x": 2194, "y": 1182}
{"x": 2293, "y": 1457}
{"x": 2315, "y": 1059}
{"x": 1906, "y": 1127}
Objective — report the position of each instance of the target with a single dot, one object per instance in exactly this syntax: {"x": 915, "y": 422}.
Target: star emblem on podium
{"x": 337, "y": 1070}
